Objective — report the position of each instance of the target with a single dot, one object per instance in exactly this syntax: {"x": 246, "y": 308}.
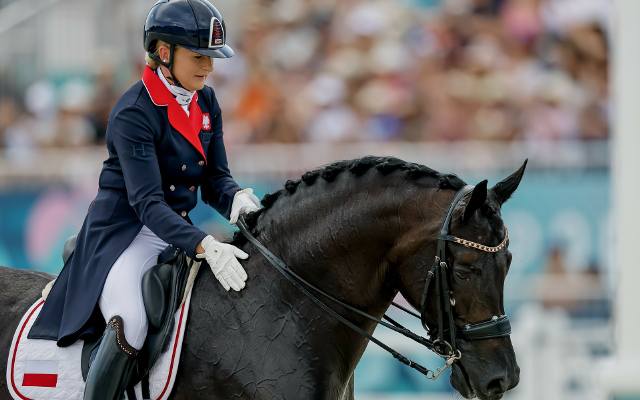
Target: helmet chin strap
{"x": 169, "y": 64}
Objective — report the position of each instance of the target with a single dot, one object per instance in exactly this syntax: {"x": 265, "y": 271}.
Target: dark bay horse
{"x": 362, "y": 230}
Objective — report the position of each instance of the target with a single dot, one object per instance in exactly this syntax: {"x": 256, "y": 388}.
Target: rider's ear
{"x": 505, "y": 188}
{"x": 477, "y": 199}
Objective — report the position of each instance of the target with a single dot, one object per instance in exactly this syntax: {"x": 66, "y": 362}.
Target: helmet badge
{"x": 216, "y": 33}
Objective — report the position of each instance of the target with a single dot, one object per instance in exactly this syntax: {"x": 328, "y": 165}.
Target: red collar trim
{"x": 188, "y": 126}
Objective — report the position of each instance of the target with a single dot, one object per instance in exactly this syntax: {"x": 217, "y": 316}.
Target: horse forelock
{"x": 357, "y": 168}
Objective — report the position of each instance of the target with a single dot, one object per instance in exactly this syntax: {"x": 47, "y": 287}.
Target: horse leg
{"x": 19, "y": 289}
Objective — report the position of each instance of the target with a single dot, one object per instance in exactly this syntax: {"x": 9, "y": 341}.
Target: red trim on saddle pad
{"x": 173, "y": 353}
{"x": 15, "y": 350}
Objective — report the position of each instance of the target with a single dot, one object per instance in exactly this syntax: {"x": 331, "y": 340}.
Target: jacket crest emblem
{"x": 206, "y": 122}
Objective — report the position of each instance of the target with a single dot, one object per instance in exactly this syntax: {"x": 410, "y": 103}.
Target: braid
{"x": 357, "y": 167}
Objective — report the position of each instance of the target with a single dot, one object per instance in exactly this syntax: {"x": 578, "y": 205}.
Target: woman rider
{"x": 164, "y": 138}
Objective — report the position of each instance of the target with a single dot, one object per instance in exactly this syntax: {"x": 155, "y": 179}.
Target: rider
{"x": 164, "y": 139}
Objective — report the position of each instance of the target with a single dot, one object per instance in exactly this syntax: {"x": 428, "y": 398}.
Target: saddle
{"x": 163, "y": 289}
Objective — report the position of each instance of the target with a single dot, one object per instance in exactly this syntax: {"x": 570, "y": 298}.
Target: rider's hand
{"x": 221, "y": 257}
{"x": 244, "y": 201}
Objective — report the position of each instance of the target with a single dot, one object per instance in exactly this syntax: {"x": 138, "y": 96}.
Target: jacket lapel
{"x": 188, "y": 126}
{"x": 195, "y": 115}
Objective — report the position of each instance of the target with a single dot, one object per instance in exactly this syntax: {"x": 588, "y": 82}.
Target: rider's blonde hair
{"x": 150, "y": 61}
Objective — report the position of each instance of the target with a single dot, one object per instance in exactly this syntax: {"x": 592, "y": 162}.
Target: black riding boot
{"x": 112, "y": 365}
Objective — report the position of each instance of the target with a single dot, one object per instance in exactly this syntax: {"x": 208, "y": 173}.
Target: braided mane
{"x": 357, "y": 167}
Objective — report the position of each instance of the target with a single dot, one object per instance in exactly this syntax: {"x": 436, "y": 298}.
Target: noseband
{"x": 439, "y": 277}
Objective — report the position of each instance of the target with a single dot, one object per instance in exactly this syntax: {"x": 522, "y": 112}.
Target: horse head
{"x": 476, "y": 261}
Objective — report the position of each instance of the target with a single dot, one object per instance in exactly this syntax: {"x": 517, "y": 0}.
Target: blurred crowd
{"x": 373, "y": 70}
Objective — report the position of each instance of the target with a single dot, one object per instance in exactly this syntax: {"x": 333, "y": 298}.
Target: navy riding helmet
{"x": 193, "y": 24}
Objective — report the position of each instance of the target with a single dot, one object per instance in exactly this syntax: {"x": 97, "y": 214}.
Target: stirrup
{"x": 112, "y": 365}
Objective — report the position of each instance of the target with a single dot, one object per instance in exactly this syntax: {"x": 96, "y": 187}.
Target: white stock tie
{"x": 182, "y": 95}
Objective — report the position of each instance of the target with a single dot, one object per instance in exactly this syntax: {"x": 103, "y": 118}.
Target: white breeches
{"x": 122, "y": 293}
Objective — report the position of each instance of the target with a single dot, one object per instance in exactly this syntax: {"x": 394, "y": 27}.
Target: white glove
{"x": 221, "y": 257}
{"x": 244, "y": 201}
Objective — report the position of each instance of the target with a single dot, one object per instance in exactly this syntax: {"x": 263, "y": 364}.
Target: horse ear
{"x": 505, "y": 188}
{"x": 477, "y": 199}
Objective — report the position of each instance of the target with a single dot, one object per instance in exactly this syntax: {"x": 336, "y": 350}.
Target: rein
{"x": 444, "y": 345}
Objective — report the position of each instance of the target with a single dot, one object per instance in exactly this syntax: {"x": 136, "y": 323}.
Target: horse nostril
{"x": 497, "y": 386}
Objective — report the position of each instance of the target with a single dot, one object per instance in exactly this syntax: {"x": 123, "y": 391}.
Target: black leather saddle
{"x": 163, "y": 287}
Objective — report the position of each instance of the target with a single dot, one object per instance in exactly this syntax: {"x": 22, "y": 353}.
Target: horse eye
{"x": 463, "y": 272}
{"x": 464, "y": 276}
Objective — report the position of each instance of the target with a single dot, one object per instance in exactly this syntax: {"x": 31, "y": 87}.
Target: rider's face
{"x": 190, "y": 68}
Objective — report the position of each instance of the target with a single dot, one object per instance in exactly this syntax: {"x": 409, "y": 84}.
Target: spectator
{"x": 382, "y": 70}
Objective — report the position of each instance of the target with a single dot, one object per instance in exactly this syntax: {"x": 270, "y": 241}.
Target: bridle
{"x": 439, "y": 277}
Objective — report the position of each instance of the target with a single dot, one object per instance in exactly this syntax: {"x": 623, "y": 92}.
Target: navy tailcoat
{"x": 158, "y": 158}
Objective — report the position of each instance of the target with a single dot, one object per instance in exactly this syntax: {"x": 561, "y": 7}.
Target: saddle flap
{"x": 162, "y": 289}
{"x": 155, "y": 284}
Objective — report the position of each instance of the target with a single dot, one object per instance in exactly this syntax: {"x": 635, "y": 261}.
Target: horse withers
{"x": 362, "y": 230}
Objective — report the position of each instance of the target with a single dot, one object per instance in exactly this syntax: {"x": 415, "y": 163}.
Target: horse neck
{"x": 336, "y": 234}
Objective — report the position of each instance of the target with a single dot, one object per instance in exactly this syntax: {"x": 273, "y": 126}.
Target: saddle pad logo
{"x": 206, "y": 122}
{"x": 40, "y": 373}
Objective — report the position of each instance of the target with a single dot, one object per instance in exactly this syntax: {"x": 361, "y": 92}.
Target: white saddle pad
{"x": 39, "y": 369}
